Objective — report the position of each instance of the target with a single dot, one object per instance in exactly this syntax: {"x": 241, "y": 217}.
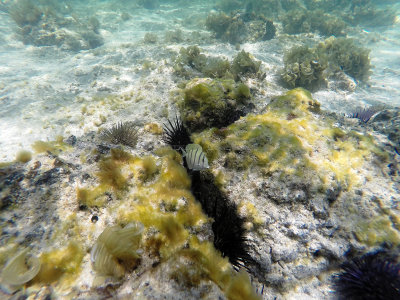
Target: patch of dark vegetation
{"x": 305, "y": 21}
{"x": 192, "y": 63}
{"x": 48, "y": 23}
{"x": 310, "y": 67}
{"x": 238, "y": 28}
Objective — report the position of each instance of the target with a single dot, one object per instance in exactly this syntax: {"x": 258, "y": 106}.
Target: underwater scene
{"x": 175, "y": 149}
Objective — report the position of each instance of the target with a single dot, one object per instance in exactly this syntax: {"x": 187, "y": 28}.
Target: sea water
{"x": 46, "y": 76}
{"x": 77, "y": 68}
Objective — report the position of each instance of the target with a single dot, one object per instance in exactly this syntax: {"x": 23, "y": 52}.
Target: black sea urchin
{"x": 228, "y": 227}
{"x": 176, "y": 134}
{"x": 370, "y": 277}
{"x": 121, "y": 133}
{"x": 230, "y": 236}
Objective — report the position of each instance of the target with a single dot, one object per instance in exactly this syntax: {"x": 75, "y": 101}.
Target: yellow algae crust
{"x": 54, "y": 147}
{"x": 60, "y": 266}
{"x": 156, "y": 193}
{"x": 380, "y": 229}
{"x": 203, "y": 261}
{"x": 23, "y": 156}
{"x": 291, "y": 138}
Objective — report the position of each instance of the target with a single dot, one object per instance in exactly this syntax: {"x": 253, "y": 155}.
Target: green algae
{"x": 377, "y": 231}
{"x": 212, "y": 103}
{"x": 284, "y": 139}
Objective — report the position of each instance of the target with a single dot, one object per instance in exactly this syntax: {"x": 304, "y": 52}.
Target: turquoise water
{"x": 72, "y": 51}
{"x": 71, "y": 69}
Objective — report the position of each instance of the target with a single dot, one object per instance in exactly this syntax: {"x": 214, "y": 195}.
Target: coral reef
{"x": 245, "y": 187}
{"x": 304, "y": 67}
{"x": 240, "y": 28}
{"x": 311, "y": 67}
{"x": 274, "y": 143}
{"x": 45, "y": 23}
{"x": 344, "y": 55}
{"x": 191, "y": 63}
{"x": 305, "y": 21}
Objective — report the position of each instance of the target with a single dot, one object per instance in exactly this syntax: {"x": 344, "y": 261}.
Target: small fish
{"x": 195, "y": 158}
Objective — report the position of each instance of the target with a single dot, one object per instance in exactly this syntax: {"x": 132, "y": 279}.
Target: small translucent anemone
{"x": 115, "y": 245}
{"x": 20, "y": 269}
{"x": 364, "y": 114}
{"x": 121, "y": 133}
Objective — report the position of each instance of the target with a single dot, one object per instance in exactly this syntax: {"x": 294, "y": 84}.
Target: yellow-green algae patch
{"x": 23, "y": 156}
{"x": 113, "y": 174}
{"x": 254, "y": 220}
{"x": 156, "y": 192}
{"x": 54, "y": 147}
{"x": 201, "y": 261}
{"x": 378, "y": 230}
{"x": 291, "y": 138}
{"x": 60, "y": 266}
